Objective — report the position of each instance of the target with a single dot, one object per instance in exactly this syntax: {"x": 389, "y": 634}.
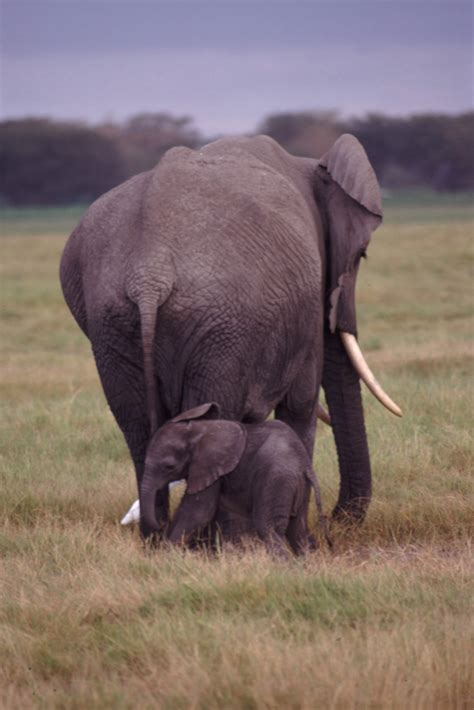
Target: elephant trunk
{"x": 149, "y": 488}
{"x": 342, "y": 388}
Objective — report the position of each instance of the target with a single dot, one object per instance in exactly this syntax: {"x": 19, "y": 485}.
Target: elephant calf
{"x": 246, "y": 478}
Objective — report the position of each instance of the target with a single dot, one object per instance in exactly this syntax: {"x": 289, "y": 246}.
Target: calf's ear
{"x": 209, "y": 410}
{"x": 217, "y": 447}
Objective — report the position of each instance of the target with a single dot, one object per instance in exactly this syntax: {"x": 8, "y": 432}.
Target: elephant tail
{"x": 322, "y": 519}
{"x": 149, "y": 286}
{"x": 148, "y": 313}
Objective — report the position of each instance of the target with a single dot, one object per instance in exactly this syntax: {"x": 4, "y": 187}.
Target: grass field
{"x": 88, "y": 619}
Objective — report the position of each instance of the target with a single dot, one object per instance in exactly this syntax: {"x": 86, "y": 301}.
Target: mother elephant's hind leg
{"x": 123, "y": 383}
{"x": 299, "y": 407}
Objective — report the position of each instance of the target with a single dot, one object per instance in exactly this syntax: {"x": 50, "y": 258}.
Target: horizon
{"x": 229, "y": 65}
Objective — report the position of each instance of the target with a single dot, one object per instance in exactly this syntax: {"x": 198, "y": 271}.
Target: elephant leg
{"x": 297, "y": 534}
{"x": 194, "y": 513}
{"x": 205, "y": 539}
{"x": 271, "y": 513}
{"x": 275, "y": 545}
{"x": 299, "y": 407}
{"x": 124, "y": 388}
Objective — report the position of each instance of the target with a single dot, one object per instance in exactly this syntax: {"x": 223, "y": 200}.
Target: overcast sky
{"x": 228, "y": 64}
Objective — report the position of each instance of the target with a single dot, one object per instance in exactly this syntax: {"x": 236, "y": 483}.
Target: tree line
{"x": 47, "y": 162}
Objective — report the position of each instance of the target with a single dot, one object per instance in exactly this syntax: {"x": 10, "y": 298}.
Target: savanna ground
{"x": 90, "y": 619}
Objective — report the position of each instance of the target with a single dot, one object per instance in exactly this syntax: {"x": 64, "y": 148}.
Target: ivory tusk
{"x": 363, "y": 370}
{"x": 323, "y": 415}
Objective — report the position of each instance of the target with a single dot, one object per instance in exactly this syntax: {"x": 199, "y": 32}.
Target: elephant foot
{"x": 351, "y": 512}
{"x": 312, "y": 544}
{"x": 154, "y": 537}
{"x": 276, "y": 547}
{"x": 152, "y": 541}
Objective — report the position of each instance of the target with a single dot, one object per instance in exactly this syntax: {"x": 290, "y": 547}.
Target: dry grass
{"x": 89, "y": 619}
{"x": 97, "y": 624}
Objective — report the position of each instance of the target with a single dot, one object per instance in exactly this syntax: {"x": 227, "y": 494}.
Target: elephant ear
{"x": 353, "y": 209}
{"x": 210, "y": 408}
{"x": 348, "y": 165}
{"x": 217, "y": 447}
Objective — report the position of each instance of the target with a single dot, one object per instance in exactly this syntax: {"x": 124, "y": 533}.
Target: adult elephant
{"x": 227, "y": 275}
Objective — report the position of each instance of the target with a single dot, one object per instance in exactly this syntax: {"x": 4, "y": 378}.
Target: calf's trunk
{"x": 153, "y": 501}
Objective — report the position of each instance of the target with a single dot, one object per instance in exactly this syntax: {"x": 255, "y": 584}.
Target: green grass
{"x": 28, "y": 221}
{"x": 424, "y": 206}
{"x": 88, "y": 618}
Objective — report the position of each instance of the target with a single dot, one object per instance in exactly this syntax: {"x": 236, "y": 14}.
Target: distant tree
{"x": 143, "y": 139}
{"x": 383, "y": 138}
{"x": 48, "y": 162}
{"x": 435, "y": 150}
{"x": 307, "y": 133}
{"x": 443, "y": 148}
{"x": 44, "y": 162}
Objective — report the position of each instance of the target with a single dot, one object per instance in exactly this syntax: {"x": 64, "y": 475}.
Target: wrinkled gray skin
{"x": 246, "y": 479}
{"x": 224, "y": 275}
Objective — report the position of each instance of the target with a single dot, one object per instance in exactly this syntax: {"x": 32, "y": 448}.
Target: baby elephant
{"x": 245, "y": 478}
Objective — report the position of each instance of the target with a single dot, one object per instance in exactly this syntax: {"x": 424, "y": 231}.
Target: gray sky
{"x": 228, "y": 64}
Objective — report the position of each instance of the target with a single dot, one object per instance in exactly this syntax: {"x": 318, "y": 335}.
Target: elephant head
{"x": 191, "y": 447}
{"x": 349, "y": 200}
